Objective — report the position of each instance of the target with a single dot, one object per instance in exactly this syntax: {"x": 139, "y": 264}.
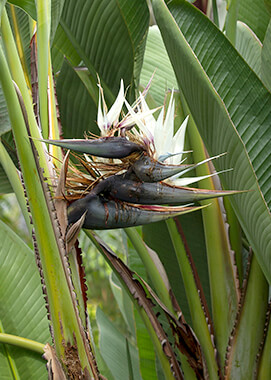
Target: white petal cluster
{"x": 158, "y": 135}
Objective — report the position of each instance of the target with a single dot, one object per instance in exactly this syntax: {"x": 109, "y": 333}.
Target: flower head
{"x": 157, "y": 135}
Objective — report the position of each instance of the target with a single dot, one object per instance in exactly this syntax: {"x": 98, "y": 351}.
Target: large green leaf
{"x": 156, "y": 62}
{"x": 113, "y": 349}
{"x": 56, "y": 11}
{"x": 29, "y": 6}
{"x": 254, "y": 14}
{"x": 22, "y": 307}
{"x": 7, "y": 141}
{"x": 5, "y": 186}
{"x": 21, "y": 28}
{"x": 4, "y": 119}
{"x": 77, "y": 109}
{"x": 231, "y": 108}
{"x": 266, "y": 58}
{"x": 249, "y": 46}
{"x": 62, "y": 48}
{"x": 242, "y": 358}
{"x": 109, "y": 36}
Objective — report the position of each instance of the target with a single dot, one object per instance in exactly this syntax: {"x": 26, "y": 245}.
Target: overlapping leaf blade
{"x": 116, "y": 359}
{"x": 62, "y": 48}
{"x": 108, "y": 35}
{"x": 29, "y": 7}
{"x": 23, "y": 311}
{"x": 78, "y": 110}
{"x": 254, "y": 14}
{"x": 249, "y": 46}
{"x": 156, "y": 62}
{"x": 4, "y": 119}
{"x": 266, "y": 58}
{"x": 231, "y": 108}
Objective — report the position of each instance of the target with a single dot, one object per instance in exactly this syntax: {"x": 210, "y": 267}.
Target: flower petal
{"x": 115, "y": 110}
{"x": 178, "y": 142}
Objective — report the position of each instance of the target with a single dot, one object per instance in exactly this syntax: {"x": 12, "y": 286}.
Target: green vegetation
{"x": 186, "y": 298}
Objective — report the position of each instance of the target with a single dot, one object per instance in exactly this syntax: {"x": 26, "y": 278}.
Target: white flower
{"x": 157, "y": 135}
{"x": 108, "y": 119}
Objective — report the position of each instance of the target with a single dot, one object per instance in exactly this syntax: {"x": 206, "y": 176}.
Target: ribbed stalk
{"x": 67, "y": 327}
{"x": 223, "y": 286}
{"x": 197, "y": 314}
{"x": 13, "y": 177}
{"x": 17, "y": 341}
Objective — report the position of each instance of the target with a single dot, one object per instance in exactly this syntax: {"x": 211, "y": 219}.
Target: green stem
{"x": 19, "y": 43}
{"x": 66, "y": 322}
{"x": 43, "y": 39}
{"x": 158, "y": 278}
{"x": 223, "y": 284}
{"x": 156, "y": 342}
{"x": 17, "y": 341}
{"x": 9, "y": 357}
{"x": 198, "y": 317}
{"x": 55, "y": 151}
{"x": 250, "y": 326}
{"x": 215, "y": 13}
{"x": 13, "y": 177}
{"x": 264, "y": 366}
{"x": 18, "y": 76}
{"x": 235, "y": 235}
{"x": 231, "y": 20}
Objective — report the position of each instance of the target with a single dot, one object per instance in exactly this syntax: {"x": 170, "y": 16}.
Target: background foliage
{"x": 217, "y": 259}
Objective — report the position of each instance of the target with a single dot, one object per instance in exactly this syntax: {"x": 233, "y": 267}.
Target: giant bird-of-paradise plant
{"x": 194, "y": 289}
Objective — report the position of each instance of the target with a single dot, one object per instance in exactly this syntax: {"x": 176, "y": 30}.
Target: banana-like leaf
{"x": 231, "y": 108}
{"x": 21, "y": 28}
{"x": 113, "y": 349}
{"x": 56, "y": 11}
{"x": 7, "y": 141}
{"x": 62, "y": 48}
{"x": 78, "y": 111}
{"x": 29, "y": 6}
{"x": 254, "y": 14}
{"x": 109, "y": 36}
{"x": 266, "y": 58}
{"x": 5, "y": 186}
{"x": 4, "y": 119}
{"x": 22, "y": 310}
{"x": 249, "y": 46}
{"x": 124, "y": 303}
{"x": 157, "y": 62}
